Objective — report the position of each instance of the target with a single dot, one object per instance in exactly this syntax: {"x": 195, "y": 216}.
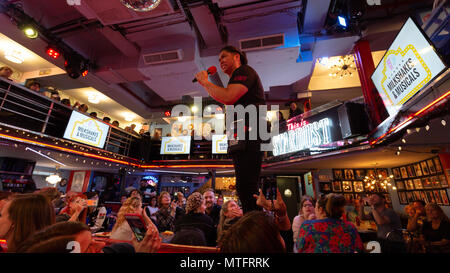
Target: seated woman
{"x": 96, "y": 215}
{"x": 229, "y": 214}
{"x": 122, "y": 230}
{"x": 22, "y": 216}
{"x": 329, "y": 234}
{"x": 306, "y": 213}
{"x": 165, "y": 216}
{"x": 436, "y": 230}
{"x": 195, "y": 218}
{"x": 76, "y": 209}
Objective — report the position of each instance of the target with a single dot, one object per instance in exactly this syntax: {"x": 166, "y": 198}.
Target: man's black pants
{"x": 247, "y": 166}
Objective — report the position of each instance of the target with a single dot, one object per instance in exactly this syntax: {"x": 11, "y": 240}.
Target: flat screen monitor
{"x": 86, "y": 130}
{"x": 410, "y": 63}
{"x": 175, "y": 145}
{"x": 219, "y": 144}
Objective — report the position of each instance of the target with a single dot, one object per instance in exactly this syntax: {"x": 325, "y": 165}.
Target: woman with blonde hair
{"x": 229, "y": 214}
{"x": 122, "y": 230}
{"x": 436, "y": 230}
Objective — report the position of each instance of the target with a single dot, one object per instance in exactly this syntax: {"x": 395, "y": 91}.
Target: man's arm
{"x": 229, "y": 95}
{"x": 381, "y": 220}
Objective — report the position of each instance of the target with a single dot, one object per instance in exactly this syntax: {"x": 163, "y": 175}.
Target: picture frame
{"x": 410, "y": 170}
{"x": 423, "y": 196}
{"x": 444, "y": 197}
{"x": 417, "y": 169}
{"x": 426, "y": 183}
{"x": 383, "y": 173}
{"x": 337, "y": 174}
{"x": 400, "y": 185}
{"x": 402, "y": 198}
{"x": 360, "y": 174}
{"x": 347, "y": 186}
{"x": 370, "y": 172}
{"x": 409, "y": 185}
{"x": 336, "y": 186}
{"x": 435, "y": 181}
{"x": 430, "y": 197}
{"x": 417, "y": 195}
{"x": 431, "y": 166}
{"x": 437, "y": 197}
{"x": 418, "y": 184}
{"x": 348, "y": 174}
{"x": 424, "y": 167}
{"x": 410, "y": 196}
{"x": 325, "y": 186}
{"x": 437, "y": 164}
{"x": 404, "y": 172}
{"x": 358, "y": 186}
{"x": 396, "y": 173}
{"x": 443, "y": 180}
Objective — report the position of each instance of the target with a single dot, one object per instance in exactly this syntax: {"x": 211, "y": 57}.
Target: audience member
{"x": 294, "y": 110}
{"x": 107, "y": 119}
{"x": 122, "y": 230}
{"x": 436, "y": 230}
{"x": 34, "y": 85}
{"x": 22, "y": 216}
{"x": 255, "y": 232}
{"x": 6, "y": 72}
{"x": 195, "y": 218}
{"x": 76, "y": 209}
{"x": 165, "y": 216}
{"x": 93, "y": 114}
{"x": 83, "y": 108}
{"x": 212, "y": 209}
{"x": 219, "y": 200}
{"x": 115, "y": 123}
{"x": 306, "y": 212}
{"x": 387, "y": 221}
{"x": 55, "y": 95}
{"x": 152, "y": 208}
{"x": 66, "y": 102}
{"x": 416, "y": 221}
{"x": 328, "y": 234}
{"x": 96, "y": 214}
{"x": 229, "y": 214}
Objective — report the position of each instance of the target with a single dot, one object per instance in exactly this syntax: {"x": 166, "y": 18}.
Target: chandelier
{"x": 54, "y": 178}
{"x": 141, "y": 5}
{"x": 345, "y": 66}
{"x": 372, "y": 182}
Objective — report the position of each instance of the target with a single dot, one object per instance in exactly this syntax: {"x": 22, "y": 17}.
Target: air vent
{"x": 163, "y": 57}
{"x": 262, "y": 42}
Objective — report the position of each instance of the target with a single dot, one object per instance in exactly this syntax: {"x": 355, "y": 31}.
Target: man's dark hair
{"x": 232, "y": 49}
{"x": 106, "y": 119}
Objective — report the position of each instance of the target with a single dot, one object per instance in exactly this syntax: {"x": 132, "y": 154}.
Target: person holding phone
{"x": 122, "y": 230}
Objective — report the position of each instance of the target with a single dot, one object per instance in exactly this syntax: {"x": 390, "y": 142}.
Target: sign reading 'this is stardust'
{"x": 304, "y": 137}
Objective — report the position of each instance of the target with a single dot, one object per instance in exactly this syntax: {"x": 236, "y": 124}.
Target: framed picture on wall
{"x": 337, "y": 186}
{"x": 404, "y": 172}
{"x": 371, "y": 172}
{"x": 77, "y": 182}
{"x": 443, "y": 181}
{"x": 437, "y": 197}
{"x": 410, "y": 170}
{"x": 444, "y": 197}
{"x": 410, "y": 196}
{"x": 423, "y": 196}
{"x": 402, "y": 198}
{"x": 425, "y": 169}
{"x": 325, "y": 186}
{"x": 418, "y": 184}
{"x": 358, "y": 186}
{"x": 426, "y": 183}
{"x": 400, "y": 185}
{"x": 347, "y": 186}
{"x": 337, "y": 174}
{"x": 409, "y": 184}
{"x": 417, "y": 195}
{"x": 348, "y": 173}
{"x": 383, "y": 173}
{"x": 360, "y": 174}
{"x": 430, "y": 197}
{"x": 431, "y": 166}
{"x": 396, "y": 172}
{"x": 435, "y": 181}
{"x": 417, "y": 169}
{"x": 437, "y": 164}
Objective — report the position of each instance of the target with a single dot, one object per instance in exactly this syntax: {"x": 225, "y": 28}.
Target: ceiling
{"x": 116, "y": 38}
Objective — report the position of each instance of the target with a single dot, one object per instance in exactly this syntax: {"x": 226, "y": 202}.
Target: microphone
{"x": 211, "y": 71}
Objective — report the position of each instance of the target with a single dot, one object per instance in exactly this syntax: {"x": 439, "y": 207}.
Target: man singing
{"x": 244, "y": 88}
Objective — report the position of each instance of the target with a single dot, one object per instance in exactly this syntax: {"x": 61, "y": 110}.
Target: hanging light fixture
{"x": 373, "y": 182}
{"x": 344, "y": 67}
{"x": 54, "y": 178}
{"x": 141, "y": 5}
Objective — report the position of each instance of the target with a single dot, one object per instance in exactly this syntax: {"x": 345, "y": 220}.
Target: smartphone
{"x": 137, "y": 225}
{"x": 91, "y": 203}
{"x": 269, "y": 188}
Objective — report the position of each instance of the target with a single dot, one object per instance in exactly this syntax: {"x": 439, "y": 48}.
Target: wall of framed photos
{"x": 424, "y": 180}
{"x": 350, "y": 183}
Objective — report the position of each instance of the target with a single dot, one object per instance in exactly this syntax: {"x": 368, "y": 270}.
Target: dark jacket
{"x": 200, "y": 221}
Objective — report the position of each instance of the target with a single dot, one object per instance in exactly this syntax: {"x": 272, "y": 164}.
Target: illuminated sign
{"x": 303, "y": 137}
{"x": 176, "y": 145}
{"x": 408, "y": 65}
{"x": 87, "y": 130}
{"x": 219, "y": 144}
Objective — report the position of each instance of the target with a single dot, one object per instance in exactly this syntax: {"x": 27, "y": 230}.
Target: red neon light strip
{"x": 412, "y": 116}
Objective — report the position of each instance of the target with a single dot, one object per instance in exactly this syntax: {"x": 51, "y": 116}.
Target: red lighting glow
{"x": 84, "y": 73}
{"x": 167, "y": 113}
{"x": 52, "y": 52}
{"x": 295, "y": 125}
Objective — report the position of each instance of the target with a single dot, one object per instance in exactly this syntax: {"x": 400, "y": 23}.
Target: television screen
{"x": 86, "y": 130}
{"x": 175, "y": 145}
{"x": 410, "y": 63}
{"x": 219, "y": 144}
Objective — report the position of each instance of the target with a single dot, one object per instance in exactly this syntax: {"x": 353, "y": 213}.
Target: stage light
{"x": 73, "y": 65}
{"x": 342, "y": 21}
{"x": 53, "y": 52}
{"x": 167, "y": 113}
{"x": 30, "y": 32}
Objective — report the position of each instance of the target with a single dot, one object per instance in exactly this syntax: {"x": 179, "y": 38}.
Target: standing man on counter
{"x": 244, "y": 88}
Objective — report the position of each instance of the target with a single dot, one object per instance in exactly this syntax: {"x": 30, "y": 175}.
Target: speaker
{"x": 353, "y": 120}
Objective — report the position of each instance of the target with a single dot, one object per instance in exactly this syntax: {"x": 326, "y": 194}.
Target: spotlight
{"x": 167, "y": 113}
{"x": 73, "y": 65}
{"x": 53, "y": 52}
{"x": 30, "y": 32}
{"x": 342, "y": 21}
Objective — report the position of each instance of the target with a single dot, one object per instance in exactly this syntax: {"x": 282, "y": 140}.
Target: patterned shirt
{"x": 164, "y": 221}
{"x": 328, "y": 236}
